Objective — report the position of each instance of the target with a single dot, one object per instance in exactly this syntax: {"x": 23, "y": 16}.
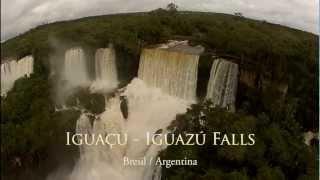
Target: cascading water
{"x": 166, "y": 87}
{"x": 13, "y": 70}
{"x": 75, "y": 68}
{"x": 149, "y": 110}
{"x": 222, "y": 86}
{"x": 106, "y": 71}
{"x": 173, "y": 72}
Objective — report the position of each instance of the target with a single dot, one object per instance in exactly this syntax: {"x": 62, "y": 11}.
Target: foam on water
{"x": 149, "y": 111}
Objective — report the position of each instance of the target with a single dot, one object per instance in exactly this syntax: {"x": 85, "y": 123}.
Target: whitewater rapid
{"x": 149, "y": 110}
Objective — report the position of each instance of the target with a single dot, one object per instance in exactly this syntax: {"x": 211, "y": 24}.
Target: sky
{"x": 18, "y": 16}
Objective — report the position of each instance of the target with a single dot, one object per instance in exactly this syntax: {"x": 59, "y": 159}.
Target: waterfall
{"x": 222, "y": 86}
{"x": 75, "y": 68}
{"x": 173, "y": 72}
{"x": 149, "y": 110}
{"x": 165, "y": 87}
{"x": 106, "y": 71}
{"x": 12, "y": 70}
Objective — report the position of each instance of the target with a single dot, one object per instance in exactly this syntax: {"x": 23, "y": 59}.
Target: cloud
{"x": 18, "y": 16}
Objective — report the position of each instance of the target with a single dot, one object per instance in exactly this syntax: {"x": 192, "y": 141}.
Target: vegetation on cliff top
{"x": 235, "y": 35}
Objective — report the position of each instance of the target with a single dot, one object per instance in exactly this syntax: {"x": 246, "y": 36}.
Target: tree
{"x": 279, "y": 152}
{"x": 172, "y": 7}
{"x": 239, "y": 14}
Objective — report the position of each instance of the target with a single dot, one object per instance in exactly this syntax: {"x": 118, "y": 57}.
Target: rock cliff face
{"x": 249, "y": 78}
{"x": 256, "y": 80}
